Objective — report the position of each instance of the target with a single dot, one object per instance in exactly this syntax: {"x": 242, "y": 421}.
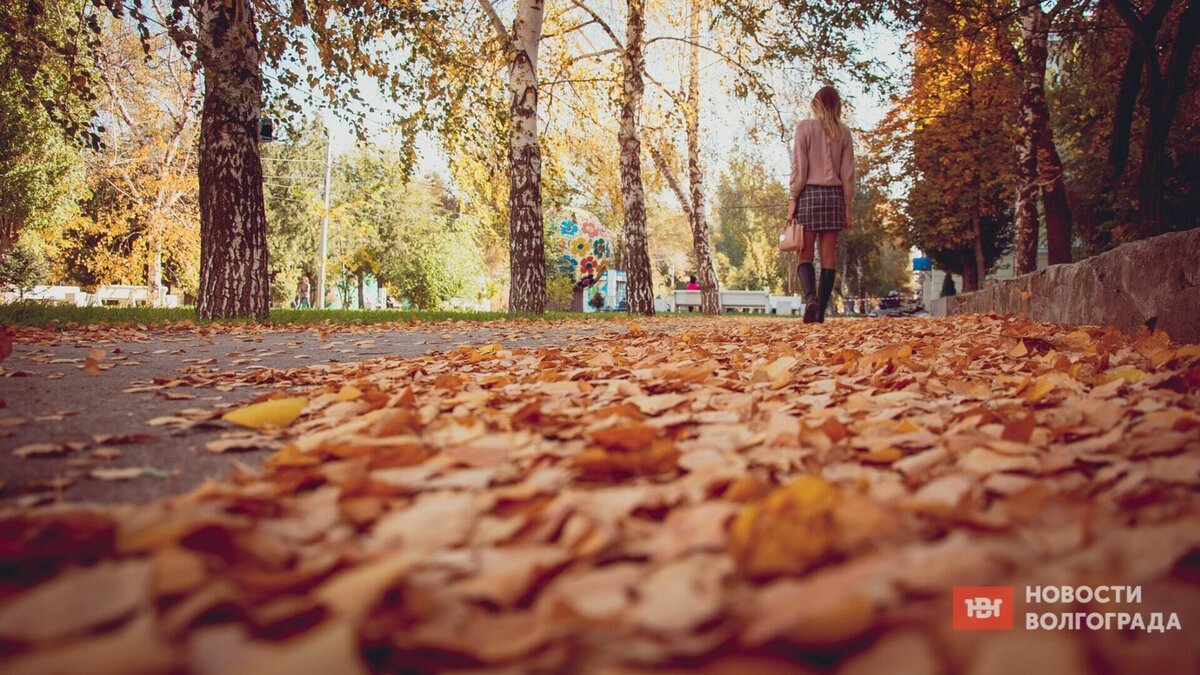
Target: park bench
{"x": 745, "y": 301}
{"x": 731, "y": 301}
{"x": 689, "y": 300}
{"x": 787, "y": 305}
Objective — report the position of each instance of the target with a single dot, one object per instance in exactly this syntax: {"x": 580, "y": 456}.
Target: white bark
{"x": 526, "y": 241}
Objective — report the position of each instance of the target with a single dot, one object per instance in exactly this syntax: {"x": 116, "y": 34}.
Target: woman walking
{"x": 822, "y": 188}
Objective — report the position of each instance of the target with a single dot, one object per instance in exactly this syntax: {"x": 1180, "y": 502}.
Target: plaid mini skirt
{"x": 821, "y": 208}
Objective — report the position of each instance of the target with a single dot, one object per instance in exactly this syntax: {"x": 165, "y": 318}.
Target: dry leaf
{"x": 788, "y": 532}
{"x": 76, "y": 600}
{"x": 278, "y": 412}
{"x": 41, "y": 450}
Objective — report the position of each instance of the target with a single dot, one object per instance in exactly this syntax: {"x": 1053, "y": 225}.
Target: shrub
{"x": 22, "y": 268}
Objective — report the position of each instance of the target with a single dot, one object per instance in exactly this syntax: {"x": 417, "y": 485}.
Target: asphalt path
{"x": 77, "y": 430}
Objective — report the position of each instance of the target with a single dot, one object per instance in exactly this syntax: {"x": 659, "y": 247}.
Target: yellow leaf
{"x": 349, "y": 392}
{"x": 290, "y": 455}
{"x": 1039, "y": 390}
{"x": 278, "y": 412}
{"x": 882, "y": 456}
{"x": 1018, "y": 351}
{"x": 1128, "y": 373}
{"x": 789, "y": 531}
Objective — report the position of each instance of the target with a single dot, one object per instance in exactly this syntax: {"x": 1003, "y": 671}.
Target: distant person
{"x": 303, "y": 293}
{"x": 821, "y": 189}
{"x": 692, "y": 285}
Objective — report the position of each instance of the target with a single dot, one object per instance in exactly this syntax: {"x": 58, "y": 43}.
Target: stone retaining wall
{"x": 1154, "y": 282}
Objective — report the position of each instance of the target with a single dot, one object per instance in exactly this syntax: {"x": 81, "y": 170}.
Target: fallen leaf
{"x": 91, "y": 364}
{"x": 76, "y": 600}
{"x": 788, "y": 532}
{"x": 278, "y": 412}
{"x": 41, "y": 450}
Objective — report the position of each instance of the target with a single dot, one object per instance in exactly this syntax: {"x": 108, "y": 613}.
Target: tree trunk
{"x": 527, "y": 267}
{"x": 1050, "y": 167}
{"x": 1033, "y": 35}
{"x": 1059, "y": 220}
{"x": 710, "y": 297}
{"x": 980, "y": 270}
{"x": 233, "y": 224}
{"x": 1164, "y": 102}
{"x": 155, "y": 280}
{"x": 640, "y": 291}
{"x": 362, "y": 290}
{"x": 1164, "y": 89}
{"x": 970, "y": 273}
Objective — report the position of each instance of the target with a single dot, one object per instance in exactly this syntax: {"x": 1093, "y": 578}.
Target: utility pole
{"x": 325, "y": 220}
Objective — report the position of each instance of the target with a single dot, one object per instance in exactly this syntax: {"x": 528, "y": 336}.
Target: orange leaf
{"x": 630, "y": 437}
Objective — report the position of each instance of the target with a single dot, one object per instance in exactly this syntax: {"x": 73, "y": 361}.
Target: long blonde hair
{"x": 827, "y": 108}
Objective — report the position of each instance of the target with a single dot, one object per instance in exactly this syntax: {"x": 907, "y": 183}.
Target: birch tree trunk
{"x": 526, "y": 240}
{"x": 233, "y": 223}
{"x": 710, "y": 298}
{"x": 640, "y": 291}
{"x": 1026, "y": 227}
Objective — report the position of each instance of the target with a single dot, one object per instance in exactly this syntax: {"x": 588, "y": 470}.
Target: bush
{"x": 560, "y": 291}
{"x": 22, "y": 268}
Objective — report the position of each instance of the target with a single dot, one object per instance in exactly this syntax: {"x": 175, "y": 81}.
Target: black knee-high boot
{"x": 808, "y": 283}
{"x": 826, "y": 290}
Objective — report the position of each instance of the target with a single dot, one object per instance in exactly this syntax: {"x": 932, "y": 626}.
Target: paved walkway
{"x": 50, "y": 399}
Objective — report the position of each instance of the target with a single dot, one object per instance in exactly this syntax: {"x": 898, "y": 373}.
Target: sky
{"x": 725, "y": 121}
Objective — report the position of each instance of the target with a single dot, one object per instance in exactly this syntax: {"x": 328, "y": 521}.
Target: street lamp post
{"x": 325, "y": 220}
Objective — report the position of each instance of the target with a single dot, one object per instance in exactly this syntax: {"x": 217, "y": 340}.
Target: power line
{"x": 289, "y": 159}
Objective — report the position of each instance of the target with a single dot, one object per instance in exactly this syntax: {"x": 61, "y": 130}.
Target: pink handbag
{"x": 793, "y": 235}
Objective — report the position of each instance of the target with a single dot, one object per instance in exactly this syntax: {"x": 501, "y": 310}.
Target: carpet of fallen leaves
{"x": 725, "y": 495}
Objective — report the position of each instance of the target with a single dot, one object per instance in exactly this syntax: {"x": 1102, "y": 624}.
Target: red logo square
{"x": 983, "y": 608}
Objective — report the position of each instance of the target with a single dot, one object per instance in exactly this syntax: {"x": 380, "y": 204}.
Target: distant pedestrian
{"x": 303, "y": 293}
{"x": 822, "y": 187}
{"x": 692, "y": 285}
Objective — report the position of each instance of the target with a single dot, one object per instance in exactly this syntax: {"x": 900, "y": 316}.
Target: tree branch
{"x": 602, "y": 23}
{"x": 497, "y": 23}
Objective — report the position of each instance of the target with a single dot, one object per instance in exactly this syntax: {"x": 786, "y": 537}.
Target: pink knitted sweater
{"x": 819, "y": 160}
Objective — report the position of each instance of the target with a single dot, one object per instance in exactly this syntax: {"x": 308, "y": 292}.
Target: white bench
{"x": 686, "y": 299}
{"x": 752, "y": 301}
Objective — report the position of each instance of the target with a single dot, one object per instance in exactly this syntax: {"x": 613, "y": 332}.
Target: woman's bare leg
{"x": 828, "y": 246}
{"x": 806, "y": 246}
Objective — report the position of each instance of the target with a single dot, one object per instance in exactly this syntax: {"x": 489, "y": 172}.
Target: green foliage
{"x": 437, "y": 260}
{"x": 22, "y": 268}
{"x": 39, "y": 170}
{"x": 751, "y": 208}
{"x": 47, "y": 58}
{"x": 597, "y": 300}
{"x": 293, "y": 177}
{"x": 871, "y": 262}
{"x": 560, "y": 292}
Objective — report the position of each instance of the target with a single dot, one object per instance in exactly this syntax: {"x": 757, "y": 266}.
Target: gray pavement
{"x": 56, "y": 402}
